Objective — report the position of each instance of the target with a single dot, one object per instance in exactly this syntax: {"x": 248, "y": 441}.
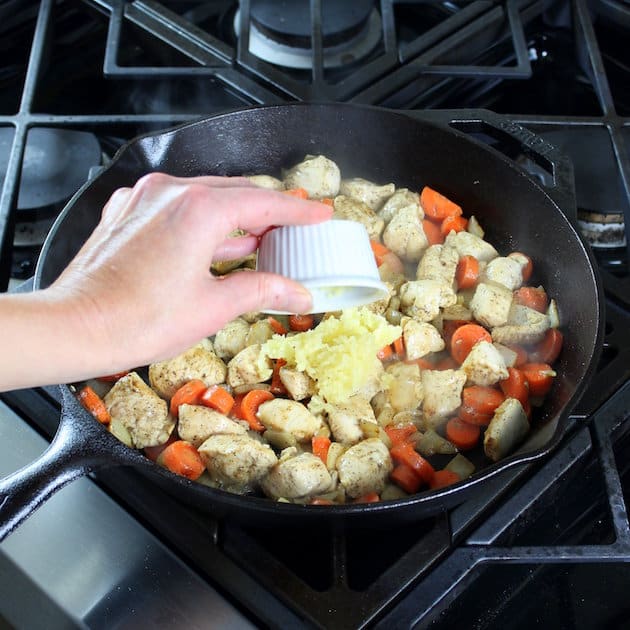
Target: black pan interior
{"x": 383, "y": 146}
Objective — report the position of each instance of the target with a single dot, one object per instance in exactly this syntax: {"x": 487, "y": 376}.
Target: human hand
{"x": 140, "y": 289}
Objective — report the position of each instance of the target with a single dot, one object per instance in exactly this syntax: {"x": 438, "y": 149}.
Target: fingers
{"x": 233, "y": 248}
{"x": 255, "y": 291}
{"x": 215, "y": 181}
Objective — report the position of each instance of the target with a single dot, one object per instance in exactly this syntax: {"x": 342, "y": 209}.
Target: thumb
{"x": 258, "y": 291}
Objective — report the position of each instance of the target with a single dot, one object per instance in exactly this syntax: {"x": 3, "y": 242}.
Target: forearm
{"x": 44, "y": 341}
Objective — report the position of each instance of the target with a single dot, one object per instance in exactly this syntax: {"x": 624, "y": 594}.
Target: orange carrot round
{"x": 182, "y": 458}
{"x": 153, "y": 452}
{"x": 453, "y": 223}
{"x": 94, "y": 404}
{"x": 188, "y": 394}
{"x": 385, "y": 353}
{"x": 443, "y": 478}
{"x": 300, "y": 193}
{"x": 521, "y": 355}
{"x": 301, "y": 323}
{"x": 436, "y": 206}
{"x": 112, "y": 378}
{"x": 277, "y": 386}
{"x": 464, "y": 338}
{"x": 399, "y": 347}
{"x": 463, "y": 435}
{"x": 515, "y": 386}
{"x": 548, "y": 350}
{"x": 404, "y": 477}
{"x": 400, "y": 434}
{"x": 527, "y": 266}
{"x": 320, "y": 445}
{"x": 218, "y": 399}
{"x": 405, "y": 454}
{"x": 249, "y": 407}
{"x": 470, "y": 415}
{"x": 483, "y": 399}
{"x": 432, "y": 232}
{"x": 467, "y": 272}
{"x": 370, "y": 497}
{"x": 540, "y": 378}
{"x": 532, "y": 297}
{"x": 277, "y": 326}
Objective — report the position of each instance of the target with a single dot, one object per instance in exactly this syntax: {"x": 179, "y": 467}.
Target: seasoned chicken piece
{"x": 140, "y": 410}
{"x": 230, "y": 340}
{"x": 198, "y": 362}
{"x": 299, "y": 385}
{"x": 404, "y": 234}
{"x": 259, "y": 332}
{"x": 380, "y": 306}
{"x": 244, "y": 368}
{"x": 298, "y": 477}
{"x": 197, "y": 423}
{"x": 505, "y": 271}
{"x": 438, "y": 263}
{"x": 405, "y": 391}
{"x": 421, "y": 339}
{"x": 290, "y": 416}
{"x": 524, "y": 326}
{"x": 490, "y": 304}
{"x": 400, "y": 199}
{"x": 507, "y": 429}
{"x": 237, "y": 462}
{"x": 368, "y": 192}
{"x": 364, "y": 468}
{"x": 468, "y": 244}
{"x": 442, "y": 395}
{"x": 266, "y": 181}
{"x": 354, "y": 210}
{"x": 345, "y": 419}
{"x": 422, "y": 299}
{"x": 318, "y": 175}
{"x": 484, "y": 365}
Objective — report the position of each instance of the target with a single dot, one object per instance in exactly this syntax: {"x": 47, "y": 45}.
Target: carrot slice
{"x": 464, "y": 338}
{"x": 470, "y": 415}
{"x": 443, "y": 478}
{"x": 540, "y": 378}
{"x": 320, "y": 445}
{"x": 437, "y": 206}
{"x": 237, "y": 410}
{"x": 483, "y": 399}
{"x": 153, "y": 452}
{"x": 521, "y": 355}
{"x": 379, "y": 250}
{"x": 217, "y": 398}
{"x": 301, "y": 323}
{"x": 188, "y": 394}
{"x": 527, "y": 266}
{"x": 449, "y": 326}
{"x": 548, "y": 350}
{"x": 182, "y": 458}
{"x": 432, "y": 232}
{"x": 399, "y": 347}
{"x": 405, "y": 454}
{"x": 453, "y": 223}
{"x": 277, "y": 386}
{"x": 405, "y": 477}
{"x": 400, "y": 434}
{"x": 532, "y": 297}
{"x": 277, "y": 326}
{"x": 112, "y": 378}
{"x": 320, "y": 501}
{"x": 329, "y": 201}
{"x": 300, "y": 193}
{"x": 467, "y": 272}
{"x": 463, "y": 435}
{"x": 249, "y": 407}
{"x": 385, "y": 353}
{"x": 370, "y": 497}
{"x": 447, "y": 363}
{"x": 94, "y": 404}
{"x": 515, "y": 386}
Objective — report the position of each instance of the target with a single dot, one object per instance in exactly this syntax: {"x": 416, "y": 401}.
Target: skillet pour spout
{"x": 412, "y": 149}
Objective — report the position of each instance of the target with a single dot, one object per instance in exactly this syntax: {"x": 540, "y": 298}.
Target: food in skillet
{"x": 366, "y": 404}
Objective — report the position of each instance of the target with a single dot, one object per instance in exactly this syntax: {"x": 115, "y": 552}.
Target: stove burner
{"x": 280, "y": 32}
{"x": 56, "y": 163}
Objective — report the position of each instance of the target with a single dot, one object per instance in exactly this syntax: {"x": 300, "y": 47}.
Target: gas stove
{"x": 545, "y": 543}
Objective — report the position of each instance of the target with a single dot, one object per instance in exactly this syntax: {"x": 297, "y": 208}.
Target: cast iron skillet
{"x": 376, "y": 144}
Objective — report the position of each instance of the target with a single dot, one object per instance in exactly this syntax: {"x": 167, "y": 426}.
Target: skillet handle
{"x": 79, "y": 447}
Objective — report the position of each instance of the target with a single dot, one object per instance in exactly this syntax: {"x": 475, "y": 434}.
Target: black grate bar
{"x": 317, "y": 69}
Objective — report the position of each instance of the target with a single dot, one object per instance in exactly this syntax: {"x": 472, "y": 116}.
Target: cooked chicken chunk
{"x": 404, "y": 234}
{"x": 442, "y": 395}
{"x": 351, "y": 209}
{"x": 364, "y": 468}
{"x": 299, "y": 385}
{"x": 237, "y": 462}
{"x": 421, "y": 339}
{"x": 196, "y": 424}
{"x": 438, "y": 263}
{"x": 371, "y": 194}
{"x": 484, "y": 365}
{"x": 524, "y": 326}
{"x": 198, "y": 362}
{"x": 505, "y": 271}
{"x": 259, "y": 332}
{"x": 266, "y": 181}
{"x": 456, "y": 312}
{"x": 345, "y": 419}
{"x": 290, "y": 416}
{"x": 230, "y": 340}
{"x": 244, "y": 368}
{"x": 298, "y": 477}
{"x": 405, "y": 391}
{"x": 490, "y": 304}
{"x": 468, "y": 244}
{"x": 400, "y": 199}
{"x": 507, "y": 429}
{"x": 140, "y": 410}
{"x": 422, "y": 299}
{"x": 318, "y": 175}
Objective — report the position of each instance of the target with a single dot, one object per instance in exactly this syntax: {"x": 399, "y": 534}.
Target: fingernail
{"x": 299, "y": 300}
